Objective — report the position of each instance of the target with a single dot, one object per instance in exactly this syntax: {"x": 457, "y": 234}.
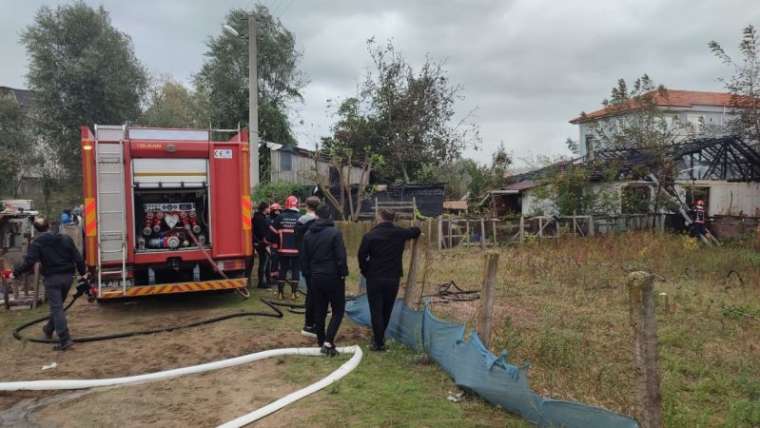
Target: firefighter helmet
{"x": 291, "y": 202}
{"x": 275, "y": 207}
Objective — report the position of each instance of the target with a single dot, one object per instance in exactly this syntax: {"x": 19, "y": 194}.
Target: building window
{"x": 286, "y": 161}
{"x": 590, "y": 146}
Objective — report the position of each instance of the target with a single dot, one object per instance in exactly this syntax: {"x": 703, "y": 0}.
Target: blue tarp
{"x": 476, "y": 369}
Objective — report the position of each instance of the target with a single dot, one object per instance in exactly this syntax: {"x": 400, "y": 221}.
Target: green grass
{"x": 399, "y": 389}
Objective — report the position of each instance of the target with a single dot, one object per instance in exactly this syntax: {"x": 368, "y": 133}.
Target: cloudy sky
{"x": 526, "y": 66}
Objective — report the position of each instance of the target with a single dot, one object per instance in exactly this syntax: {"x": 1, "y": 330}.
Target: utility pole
{"x": 253, "y": 105}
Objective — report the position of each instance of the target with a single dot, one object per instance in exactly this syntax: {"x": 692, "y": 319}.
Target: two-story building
{"x": 689, "y": 113}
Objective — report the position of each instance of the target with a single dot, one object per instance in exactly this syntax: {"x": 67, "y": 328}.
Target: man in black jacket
{"x": 323, "y": 260}
{"x": 380, "y": 261}
{"x": 302, "y": 226}
{"x": 261, "y": 242}
{"x": 59, "y": 258}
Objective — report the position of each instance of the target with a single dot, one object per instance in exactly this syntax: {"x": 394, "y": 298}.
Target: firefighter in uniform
{"x": 699, "y": 219}
{"x": 287, "y": 252}
{"x": 274, "y": 243}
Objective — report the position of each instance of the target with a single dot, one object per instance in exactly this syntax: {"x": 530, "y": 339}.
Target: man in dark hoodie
{"x": 323, "y": 260}
{"x": 380, "y": 256}
{"x": 261, "y": 242}
{"x": 59, "y": 258}
{"x": 302, "y": 226}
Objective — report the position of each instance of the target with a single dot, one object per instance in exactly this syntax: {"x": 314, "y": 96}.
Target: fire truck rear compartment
{"x": 169, "y": 219}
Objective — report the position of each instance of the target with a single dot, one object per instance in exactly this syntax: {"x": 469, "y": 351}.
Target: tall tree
{"x": 17, "y": 151}
{"x": 82, "y": 71}
{"x": 744, "y": 85}
{"x": 223, "y": 79}
{"x": 172, "y": 105}
{"x": 414, "y": 111}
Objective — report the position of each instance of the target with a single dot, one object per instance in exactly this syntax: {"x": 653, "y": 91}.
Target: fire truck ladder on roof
{"x": 109, "y": 170}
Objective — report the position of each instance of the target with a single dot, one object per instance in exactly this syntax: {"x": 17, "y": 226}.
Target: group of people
{"x": 310, "y": 245}
{"x": 288, "y": 245}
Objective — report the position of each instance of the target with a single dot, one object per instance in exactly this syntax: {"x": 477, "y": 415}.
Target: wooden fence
{"x": 452, "y": 231}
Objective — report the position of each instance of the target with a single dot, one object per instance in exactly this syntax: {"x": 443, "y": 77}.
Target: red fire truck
{"x": 165, "y": 210}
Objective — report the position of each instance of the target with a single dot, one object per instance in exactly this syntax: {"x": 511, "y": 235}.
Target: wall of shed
{"x": 302, "y": 169}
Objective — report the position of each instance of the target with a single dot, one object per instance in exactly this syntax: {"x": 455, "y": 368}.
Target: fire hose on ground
{"x": 342, "y": 371}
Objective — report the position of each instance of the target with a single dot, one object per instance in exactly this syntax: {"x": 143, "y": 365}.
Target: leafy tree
{"x": 223, "y": 79}
{"x": 572, "y": 146}
{"x": 744, "y": 85}
{"x": 82, "y": 71}
{"x": 465, "y": 177}
{"x": 172, "y": 105}
{"x": 353, "y": 144}
{"x": 413, "y": 111}
{"x": 17, "y": 154}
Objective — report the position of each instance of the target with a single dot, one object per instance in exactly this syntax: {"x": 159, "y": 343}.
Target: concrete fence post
{"x": 644, "y": 324}
{"x": 485, "y": 313}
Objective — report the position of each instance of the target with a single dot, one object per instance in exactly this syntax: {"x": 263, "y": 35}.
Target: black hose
{"x": 17, "y": 332}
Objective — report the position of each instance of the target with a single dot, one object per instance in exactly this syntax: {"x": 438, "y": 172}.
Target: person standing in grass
{"x": 380, "y": 261}
{"x": 302, "y": 226}
{"x": 324, "y": 263}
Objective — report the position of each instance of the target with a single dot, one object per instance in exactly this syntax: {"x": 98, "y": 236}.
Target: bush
{"x": 279, "y": 190}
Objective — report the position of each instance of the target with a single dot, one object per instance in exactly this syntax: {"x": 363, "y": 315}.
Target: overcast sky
{"x": 526, "y": 66}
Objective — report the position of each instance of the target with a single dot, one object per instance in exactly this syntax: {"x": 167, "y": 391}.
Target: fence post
{"x": 412, "y": 292}
{"x": 590, "y": 225}
{"x": 467, "y": 230}
{"x": 482, "y": 234}
{"x": 440, "y": 233}
{"x": 522, "y": 229}
{"x": 644, "y": 324}
{"x": 485, "y": 314}
{"x": 451, "y": 238}
{"x": 541, "y": 227}
{"x": 493, "y": 229}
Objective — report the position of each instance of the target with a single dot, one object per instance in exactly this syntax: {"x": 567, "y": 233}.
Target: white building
{"x": 694, "y": 113}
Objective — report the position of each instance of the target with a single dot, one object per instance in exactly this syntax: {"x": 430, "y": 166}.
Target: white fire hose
{"x": 342, "y": 371}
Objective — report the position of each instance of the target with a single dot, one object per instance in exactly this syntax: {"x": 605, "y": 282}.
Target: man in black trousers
{"x": 59, "y": 259}
{"x": 302, "y": 226}
{"x": 380, "y": 259}
{"x": 323, "y": 261}
{"x": 261, "y": 242}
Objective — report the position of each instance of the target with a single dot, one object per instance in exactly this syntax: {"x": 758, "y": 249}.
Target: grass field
{"x": 561, "y": 306}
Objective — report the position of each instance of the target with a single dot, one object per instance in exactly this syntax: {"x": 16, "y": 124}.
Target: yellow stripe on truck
{"x": 181, "y": 287}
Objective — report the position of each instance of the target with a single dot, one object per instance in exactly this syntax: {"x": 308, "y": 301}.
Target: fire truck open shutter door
{"x": 170, "y": 173}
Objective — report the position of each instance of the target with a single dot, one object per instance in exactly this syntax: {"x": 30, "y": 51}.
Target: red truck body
{"x": 165, "y": 210}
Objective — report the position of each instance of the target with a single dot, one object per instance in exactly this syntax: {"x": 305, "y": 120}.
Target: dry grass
{"x": 562, "y": 307}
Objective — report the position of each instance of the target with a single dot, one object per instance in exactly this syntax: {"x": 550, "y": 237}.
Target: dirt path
{"x": 199, "y": 400}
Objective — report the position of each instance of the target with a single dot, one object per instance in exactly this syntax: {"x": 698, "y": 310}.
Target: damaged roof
{"x": 719, "y": 158}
